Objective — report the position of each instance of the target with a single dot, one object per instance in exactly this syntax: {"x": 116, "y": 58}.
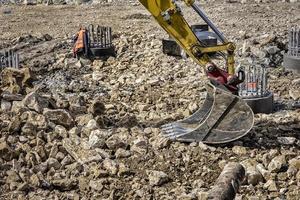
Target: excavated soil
{"x": 113, "y": 108}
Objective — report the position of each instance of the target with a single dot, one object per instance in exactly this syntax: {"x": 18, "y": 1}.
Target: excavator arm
{"x": 170, "y": 17}
{"x": 224, "y": 117}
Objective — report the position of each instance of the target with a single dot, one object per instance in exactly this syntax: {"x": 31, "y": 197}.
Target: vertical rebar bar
{"x": 17, "y": 60}
{"x": 110, "y": 36}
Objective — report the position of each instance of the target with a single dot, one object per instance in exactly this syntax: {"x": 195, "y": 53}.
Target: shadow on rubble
{"x": 270, "y": 135}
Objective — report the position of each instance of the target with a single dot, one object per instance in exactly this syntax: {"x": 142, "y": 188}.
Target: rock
{"x": 122, "y": 153}
{"x": 59, "y": 117}
{"x": 298, "y": 176}
{"x": 295, "y": 163}
{"x": 16, "y": 81}
{"x": 79, "y": 153}
{"x": 65, "y": 184}
{"x": 53, "y": 151}
{"x": 34, "y": 121}
{"x": 98, "y": 138}
{"x": 96, "y": 185}
{"x": 265, "y": 173}
{"x": 17, "y": 106}
{"x": 294, "y": 94}
{"x": 277, "y": 163}
{"x": 90, "y": 126}
{"x": 157, "y": 178}
{"x": 252, "y": 174}
{"x": 160, "y": 142}
{"x": 111, "y": 166}
{"x": 60, "y": 156}
{"x": 202, "y": 195}
{"x": 66, "y": 161}
{"x": 13, "y": 176}
{"x": 123, "y": 170}
{"x": 6, "y": 152}
{"x": 272, "y": 49}
{"x": 23, "y": 187}
{"x": 52, "y": 162}
{"x": 30, "y": 2}
{"x": 190, "y": 196}
{"x": 35, "y": 102}
{"x": 12, "y": 97}
{"x": 103, "y": 153}
{"x": 115, "y": 142}
{"x": 35, "y": 181}
{"x": 271, "y": 186}
{"x": 61, "y": 131}
{"x": 140, "y": 146}
{"x": 97, "y": 108}
{"x": 286, "y": 140}
{"x": 239, "y": 150}
{"x": 5, "y": 105}
{"x": 206, "y": 147}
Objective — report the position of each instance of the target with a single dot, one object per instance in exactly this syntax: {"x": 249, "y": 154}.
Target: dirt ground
{"x": 141, "y": 89}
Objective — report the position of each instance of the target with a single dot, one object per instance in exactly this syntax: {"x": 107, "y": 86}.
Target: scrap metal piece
{"x": 100, "y": 41}
{"x": 223, "y": 118}
{"x": 291, "y": 60}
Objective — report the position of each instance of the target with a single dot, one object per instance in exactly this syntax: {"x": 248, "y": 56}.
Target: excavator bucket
{"x": 223, "y": 118}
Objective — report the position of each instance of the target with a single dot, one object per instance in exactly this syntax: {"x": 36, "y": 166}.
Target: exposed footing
{"x": 292, "y": 63}
{"x": 99, "y": 52}
{"x": 261, "y": 104}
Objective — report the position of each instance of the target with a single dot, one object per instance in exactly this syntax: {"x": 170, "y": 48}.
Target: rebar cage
{"x": 255, "y": 84}
{"x": 9, "y": 58}
{"x": 294, "y": 42}
{"x": 291, "y": 60}
{"x": 100, "y": 37}
{"x": 100, "y": 41}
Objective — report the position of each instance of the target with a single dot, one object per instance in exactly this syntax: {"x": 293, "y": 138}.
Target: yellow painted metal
{"x": 170, "y": 18}
{"x": 189, "y": 2}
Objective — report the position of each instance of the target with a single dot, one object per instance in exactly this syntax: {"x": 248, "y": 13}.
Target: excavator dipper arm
{"x": 224, "y": 117}
{"x": 170, "y": 17}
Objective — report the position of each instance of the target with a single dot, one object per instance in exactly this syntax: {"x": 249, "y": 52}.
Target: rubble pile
{"x": 90, "y": 129}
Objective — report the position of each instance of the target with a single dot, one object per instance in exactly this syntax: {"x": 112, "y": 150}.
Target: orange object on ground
{"x": 79, "y": 44}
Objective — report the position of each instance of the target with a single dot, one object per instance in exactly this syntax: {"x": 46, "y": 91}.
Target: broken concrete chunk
{"x": 98, "y": 138}
{"x": 115, "y": 142}
{"x": 59, "y": 117}
{"x": 252, "y": 174}
{"x": 79, "y": 153}
{"x": 35, "y": 102}
{"x": 16, "y": 81}
{"x": 6, "y": 152}
{"x": 157, "y": 178}
{"x": 12, "y": 97}
{"x": 277, "y": 163}
{"x": 65, "y": 184}
{"x": 5, "y": 105}
{"x": 111, "y": 166}
{"x": 97, "y": 108}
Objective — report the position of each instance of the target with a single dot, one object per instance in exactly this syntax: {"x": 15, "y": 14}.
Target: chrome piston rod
{"x": 202, "y": 14}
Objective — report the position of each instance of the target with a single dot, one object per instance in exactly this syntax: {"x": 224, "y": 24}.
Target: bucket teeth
{"x": 223, "y": 118}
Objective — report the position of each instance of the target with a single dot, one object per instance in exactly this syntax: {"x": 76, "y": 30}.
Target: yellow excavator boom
{"x": 170, "y": 17}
